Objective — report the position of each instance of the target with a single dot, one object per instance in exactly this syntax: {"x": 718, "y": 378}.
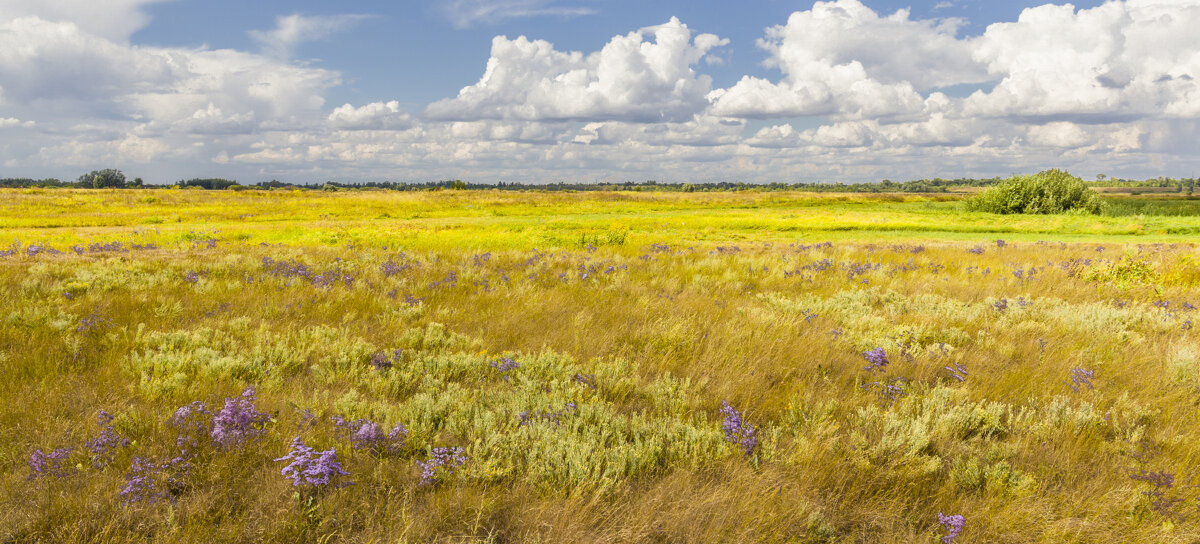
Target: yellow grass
{"x": 668, "y": 303}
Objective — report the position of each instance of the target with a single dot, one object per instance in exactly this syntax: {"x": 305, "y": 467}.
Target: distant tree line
{"x": 111, "y": 178}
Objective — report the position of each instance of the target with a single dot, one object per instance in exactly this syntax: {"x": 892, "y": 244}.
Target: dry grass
{"x": 776, "y": 328}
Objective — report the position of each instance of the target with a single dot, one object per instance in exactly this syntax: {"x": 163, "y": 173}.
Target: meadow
{"x": 477, "y": 366}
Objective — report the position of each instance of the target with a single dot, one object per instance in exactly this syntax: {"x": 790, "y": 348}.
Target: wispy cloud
{"x": 292, "y": 30}
{"x": 468, "y": 13}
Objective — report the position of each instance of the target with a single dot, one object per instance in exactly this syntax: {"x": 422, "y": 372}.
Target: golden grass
{"x": 776, "y": 327}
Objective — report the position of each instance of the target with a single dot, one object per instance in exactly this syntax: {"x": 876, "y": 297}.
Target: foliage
{"x": 103, "y": 179}
{"x": 1047, "y": 192}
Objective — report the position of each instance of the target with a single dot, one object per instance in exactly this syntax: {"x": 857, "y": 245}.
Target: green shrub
{"x": 1051, "y": 191}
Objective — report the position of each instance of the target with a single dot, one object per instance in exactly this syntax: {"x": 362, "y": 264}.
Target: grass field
{"x": 594, "y": 367}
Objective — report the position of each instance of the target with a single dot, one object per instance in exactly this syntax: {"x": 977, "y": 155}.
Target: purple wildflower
{"x": 367, "y": 435}
{"x": 1081, "y": 378}
{"x": 1000, "y": 305}
{"x": 390, "y": 268}
{"x": 307, "y": 419}
{"x": 102, "y": 446}
{"x": 382, "y": 360}
{"x": 958, "y": 372}
{"x": 314, "y": 468}
{"x": 93, "y": 322}
{"x": 878, "y": 359}
{"x": 1161, "y": 482}
{"x": 551, "y": 416}
{"x": 49, "y": 464}
{"x": 504, "y": 365}
{"x": 587, "y": 380}
{"x": 953, "y": 524}
{"x": 448, "y": 458}
{"x": 193, "y": 421}
{"x": 238, "y": 420}
{"x": 888, "y": 391}
{"x": 148, "y": 481}
{"x": 737, "y": 431}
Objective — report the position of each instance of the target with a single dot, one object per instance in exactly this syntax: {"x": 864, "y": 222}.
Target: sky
{"x": 539, "y": 91}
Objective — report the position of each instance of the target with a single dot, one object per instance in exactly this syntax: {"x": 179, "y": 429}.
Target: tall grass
{"x": 1039, "y": 389}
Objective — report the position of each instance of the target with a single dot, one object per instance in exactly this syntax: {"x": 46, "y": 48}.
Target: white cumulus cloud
{"x": 373, "y": 116}
{"x": 629, "y": 79}
{"x": 1117, "y": 61}
{"x": 844, "y": 58}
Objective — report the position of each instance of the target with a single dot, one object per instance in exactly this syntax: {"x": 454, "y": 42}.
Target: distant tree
{"x": 1051, "y": 191}
{"x": 99, "y": 179}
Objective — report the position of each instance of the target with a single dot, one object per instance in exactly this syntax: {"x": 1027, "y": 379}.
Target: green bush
{"x": 1051, "y": 191}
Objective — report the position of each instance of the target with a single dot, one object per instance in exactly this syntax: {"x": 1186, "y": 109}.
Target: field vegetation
{"x": 485, "y": 366}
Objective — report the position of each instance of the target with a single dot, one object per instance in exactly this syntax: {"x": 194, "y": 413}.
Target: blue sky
{"x": 598, "y": 90}
{"x": 382, "y": 57}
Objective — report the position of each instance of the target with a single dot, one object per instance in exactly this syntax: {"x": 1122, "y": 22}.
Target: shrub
{"x": 1050, "y": 191}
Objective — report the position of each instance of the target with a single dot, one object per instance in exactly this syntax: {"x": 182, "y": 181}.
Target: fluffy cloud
{"x": 113, "y": 20}
{"x": 78, "y": 85}
{"x": 1120, "y": 61}
{"x": 7, "y": 122}
{"x": 843, "y": 58}
{"x": 629, "y": 79}
{"x": 373, "y": 116}
{"x": 1117, "y": 61}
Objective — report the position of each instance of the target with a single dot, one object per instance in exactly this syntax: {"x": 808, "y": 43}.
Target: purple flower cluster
{"x": 314, "y": 468}
{"x": 93, "y": 322}
{"x": 367, "y": 435}
{"x": 390, "y": 268}
{"x": 550, "y": 416}
{"x": 1161, "y": 482}
{"x": 193, "y": 421}
{"x": 953, "y": 524}
{"x": 448, "y": 458}
{"x": 49, "y": 464}
{"x": 737, "y": 431}
{"x": 587, "y": 380}
{"x": 238, "y": 421}
{"x": 102, "y": 446}
{"x": 1081, "y": 378}
{"x": 382, "y": 360}
{"x": 889, "y": 391}
{"x": 877, "y": 359}
{"x": 148, "y": 481}
{"x": 958, "y": 372}
{"x": 451, "y": 280}
{"x": 296, "y": 269}
{"x": 504, "y": 366}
